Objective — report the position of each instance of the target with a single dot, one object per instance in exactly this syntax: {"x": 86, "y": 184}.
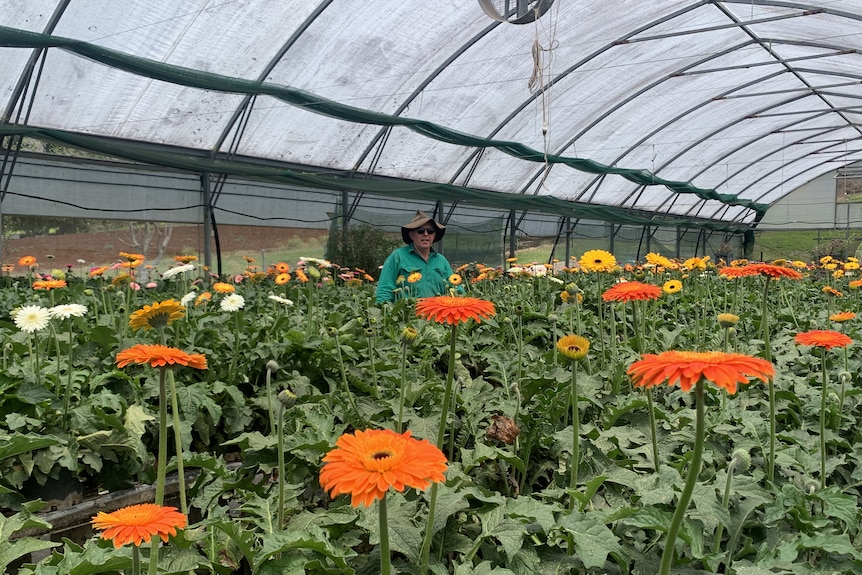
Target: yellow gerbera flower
{"x": 158, "y": 315}
{"x": 598, "y": 261}
{"x": 672, "y": 286}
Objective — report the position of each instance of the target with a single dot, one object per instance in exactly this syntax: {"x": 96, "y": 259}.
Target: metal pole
{"x": 207, "y": 199}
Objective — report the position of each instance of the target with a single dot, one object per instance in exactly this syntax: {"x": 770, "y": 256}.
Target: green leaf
{"x": 833, "y": 543}
{"x": 18, "y": 443}
{"x": 12, "y": 550}
{"x": 840, "y": 506}
{"x": 483, "y": 568}
{"x": 593, "y": 540}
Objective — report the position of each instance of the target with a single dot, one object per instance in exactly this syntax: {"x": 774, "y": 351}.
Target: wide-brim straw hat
{"x": 419, "y": 220}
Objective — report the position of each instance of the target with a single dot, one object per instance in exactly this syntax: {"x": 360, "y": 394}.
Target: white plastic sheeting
{"x": 751, "y": 98}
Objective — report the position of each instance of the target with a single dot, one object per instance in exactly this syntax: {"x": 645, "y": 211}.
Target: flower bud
{"x": 727, "y": 320}
{"x": 742, "y": 458}
{"x": 313, "y": 272}
{"x": 573, "y": 289}
{"x": 409, "y": 335}
{"x": 287, "y": 398}
{"x": 639, "y": 275}
{"x": 519, "y": 309}
{"x": 272, "y": 366}
{"x": 553, "y": 318}
{"x": 332, "y": 331}
{"x": 844, "y": 377}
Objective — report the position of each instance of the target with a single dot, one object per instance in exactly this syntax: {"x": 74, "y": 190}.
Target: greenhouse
{"x": 496, "y": 286}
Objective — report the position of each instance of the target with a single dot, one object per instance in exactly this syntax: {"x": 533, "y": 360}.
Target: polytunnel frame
{"x": 235, "y": 125}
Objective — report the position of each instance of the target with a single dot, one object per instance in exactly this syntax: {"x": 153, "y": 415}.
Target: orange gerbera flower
{"x": 185, "y": 259}
{"x": 455, "y": 279}
{"x": 686, "y": 368}
{"x": 158, "y": 315}
{"x": 300, "y": 275}
{"x": 160, "y": 356}
{"x": 414, "y": 277}
{"x": 26, "y": 261}
{"x": 630, "y": 291}
{"x": 454, "y": 310}
{"x": 282, "y": 267}
{"x": 823, "y": 338}
{"x": 136, "y": 524}
{"x": 49, "y": 284}
{"x": 734, "y": 272}
{"x": 843, "y": 316}
{"x": 282, "y": 278}
{"x": 223, "y": 287}
{"x": 366, "y": 464}
{"x": 133, "y": 257}
{"x": 775, "y": 271}
{"x": 203, "y": 298}
{"x": 829, "y": 290}
{"x": 855, "y": 284}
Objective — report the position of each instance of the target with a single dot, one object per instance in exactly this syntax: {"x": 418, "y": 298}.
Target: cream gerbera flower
{"x": 65, "y": 311}
{"x": 32, "y": 318}
{"x": 177, "y": 270}
{"x": 233, "y": 302}
{"x": 188, "y": 298}
{"x": 280, "y": 299}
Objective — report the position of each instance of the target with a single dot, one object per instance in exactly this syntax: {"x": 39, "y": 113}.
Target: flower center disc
{"x": 378, "y": 455}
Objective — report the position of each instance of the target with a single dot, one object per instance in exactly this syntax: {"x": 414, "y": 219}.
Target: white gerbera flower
{"x": 31, "y": 318}
{"x": 188, "y": 298}
{"x": 65, "y": 311}
{"x": 556, "y": 280}
{"x": 233, "y": 302}
{"x": 177, "y": 270}
{"x": 280, "y": 299}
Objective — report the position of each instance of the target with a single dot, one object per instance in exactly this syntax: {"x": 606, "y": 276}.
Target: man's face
{"x": 423, "y": 237}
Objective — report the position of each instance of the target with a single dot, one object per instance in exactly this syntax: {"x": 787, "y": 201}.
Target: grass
{"x": 234, "y": 262}
{"x": 805, "y": 245}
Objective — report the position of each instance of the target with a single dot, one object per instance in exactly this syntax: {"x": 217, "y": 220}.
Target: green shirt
{"x": 404, "y": 261}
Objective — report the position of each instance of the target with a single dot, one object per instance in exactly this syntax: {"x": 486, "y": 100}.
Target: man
{"x": 415, "y": 270}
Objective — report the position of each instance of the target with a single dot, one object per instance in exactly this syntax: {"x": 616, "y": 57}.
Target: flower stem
{"x": 403, "y": 383}
{"x": 429, "y": 532}
{"x": 136, "y": 560}
{"x": 690, "y": 481}
{"x": 178, "y": 442}
{"x": 767, "y": 351}
{"x": 576, "y": 436}
{"x": 281, "y": 479}
{"x": 344, "y": 378}
{"x": 825, "y": 380}
{"x": 385, "y": 560}
{"x": 447, "y": 394}
{"x": 639, "y": 342}
{"x": 162, "y": 457}
{"x": 716, "y": 544}
{"x": 441, "y": 432}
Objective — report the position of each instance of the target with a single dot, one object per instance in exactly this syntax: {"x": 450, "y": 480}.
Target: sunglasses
{"x": 424, "y": 231}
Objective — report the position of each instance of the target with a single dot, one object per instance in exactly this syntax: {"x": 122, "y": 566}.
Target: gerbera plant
{"x": 453, "y": 311}
{"x": 574, "y": 348}
{"x": 824, "y": 340}
{"x": 689, "y": 369}
{"x": 366, "y": 464}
